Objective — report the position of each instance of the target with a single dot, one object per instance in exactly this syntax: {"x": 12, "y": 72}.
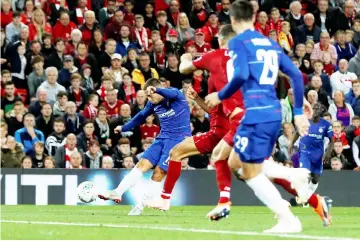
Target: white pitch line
{"x": 190, "y": 230}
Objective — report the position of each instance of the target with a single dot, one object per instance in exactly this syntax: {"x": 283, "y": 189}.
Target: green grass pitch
{"x": 188, "y": 222}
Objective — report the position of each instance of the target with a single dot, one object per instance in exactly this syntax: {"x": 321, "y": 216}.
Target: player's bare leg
{"x": 223, "y": 179}
{"x": 151, "y": 191}
{"x": 184, "y": 149}
{"x": 128, "y": 181}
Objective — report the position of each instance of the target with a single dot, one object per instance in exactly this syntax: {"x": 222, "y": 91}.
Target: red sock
{"x": 313, "y": 201}
{"x": 223, "y": 180}
{"x": 286, "y": 185}
{"x": 172, "y": 176}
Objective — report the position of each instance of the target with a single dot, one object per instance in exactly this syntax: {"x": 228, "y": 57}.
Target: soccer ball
{"x": 86, "y": 192}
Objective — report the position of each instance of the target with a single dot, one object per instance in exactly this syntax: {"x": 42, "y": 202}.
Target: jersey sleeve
{"x": 203, "y": 62}
{"x": 139, "y": 118}
{"x": 297, "y": 82}
{"x": 329, "y": 132}
{"x": 238, "y": 57}
{"x": 168, "y": 93}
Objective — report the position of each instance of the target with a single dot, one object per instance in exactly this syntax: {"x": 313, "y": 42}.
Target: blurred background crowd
{"x": 72, "y": 70}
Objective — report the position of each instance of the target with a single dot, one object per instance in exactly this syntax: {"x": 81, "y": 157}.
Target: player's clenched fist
{"x": 150, "y": 90}
{"x": 302, "y": 123}
{"x": 212, "y": 99}
{"x": 118, "y": 129}
{"x": 186, "y": 57}
{"x": 191, "y": 93}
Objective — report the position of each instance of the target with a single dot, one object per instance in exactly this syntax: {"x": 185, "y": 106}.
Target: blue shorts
{"x": 255, "y": 142}
{"x": 313, "y": 163}
{"x": 158, "y": 152}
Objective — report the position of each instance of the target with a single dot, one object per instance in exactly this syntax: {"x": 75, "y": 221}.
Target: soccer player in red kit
{"x": 219, "y": 139}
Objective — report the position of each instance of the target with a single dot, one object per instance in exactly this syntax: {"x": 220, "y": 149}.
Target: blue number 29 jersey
{"x": 257, "y": 60}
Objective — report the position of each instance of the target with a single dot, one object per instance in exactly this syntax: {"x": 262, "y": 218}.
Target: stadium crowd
{"x": 71, "y": 71}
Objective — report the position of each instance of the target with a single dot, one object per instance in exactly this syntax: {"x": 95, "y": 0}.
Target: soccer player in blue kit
{"x": 256, "y": 61}
{"x": 172, "y": 109}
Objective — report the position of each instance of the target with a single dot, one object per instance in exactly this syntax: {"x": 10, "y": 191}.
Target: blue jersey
{"x": 313, "y": 143}
{"x": 173, "y": 112}
{"x": 257, "y": 60}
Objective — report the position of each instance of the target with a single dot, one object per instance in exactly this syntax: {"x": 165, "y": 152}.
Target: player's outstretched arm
{"x": 138, "y": 119}
{"x": 191, "y": 93}
{"x": 186, "y": 65}
{"x": 168, "y": 93}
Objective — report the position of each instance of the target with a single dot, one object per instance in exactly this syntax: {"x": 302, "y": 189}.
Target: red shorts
{"x": 206, "y": 142}
{"x": 234, "y": 123}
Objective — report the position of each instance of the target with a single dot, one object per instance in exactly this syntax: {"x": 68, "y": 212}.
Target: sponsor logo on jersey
{"x": 168, "y": 113}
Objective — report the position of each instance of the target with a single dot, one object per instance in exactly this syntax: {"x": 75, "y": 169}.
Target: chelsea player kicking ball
{"x": 87, "y": 192}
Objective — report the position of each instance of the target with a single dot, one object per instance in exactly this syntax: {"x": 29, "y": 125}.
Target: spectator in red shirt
{"x": 80, "y": 11}
{"x": 173, "y": 12}
{"x": 70, "y": 47}
{"x": 128, "y": 89}
{"x": 38, "y": 25}
{"x": 106, "y": 14}
{"x": 78, "y": 94}
{"x": 129, "y": 16}
{"x": 158, "y": 57}
{"x": 142, "y": 34}
{"x": 89, "y": 27}
{"x": 162, "y": 24}
{"x": 275, "y": 22}
{"x": 149, "y": 130}
{"x": 6, "y": 13}
{"x": 112, "y": 29}
{"x": 26, "y": 16}
{"x": 261, "y": 24}
{"x": 198, "y": 16}
{"x": 199, "y": 43}
{"x": 112, "y": 104}
{"x": 63, "y": 27}
{"x": 211, "y": 27}
{"x": 90, "y": 110}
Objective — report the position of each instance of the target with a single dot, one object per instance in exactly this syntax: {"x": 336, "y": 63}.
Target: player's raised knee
{"x": 175, "y": 153}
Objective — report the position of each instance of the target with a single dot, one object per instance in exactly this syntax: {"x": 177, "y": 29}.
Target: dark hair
{"x": 93, "y": 143}
{"x": 47, "y": 35}
{"x": 128, "y": 1}
{"x": 326, "y": 114}
{"x": 28, "y": 115}
{"x": 65, "y": 12}
{"x": 187, "y": 81}
{"x": 144, "y": 54}
{"x": 152, "y": 82}
{"x": 5, "y": 71}
{"x": 16, "y": 14}
{"x": 76, "y": 76}
{"x": 59, "y": 119}
{"x": 61, "y": 94}
{"x": 35, "y": 42}
{"x": 8, "y": 83}
{"x": 226, "y": 32}
{"x": 42, "y": 107}
{"x": 81, "y": 42}
{"x": 101, "y": 108}
{"x": 25, "y": 157}
{"x": 37, "y": 59}
{"x": 241, "y": 10}
{"x": 123, "y": 141}
{"x": 355, "y": 118}
{"x": 58, "y": 40}
{"x": 86, "y": 122}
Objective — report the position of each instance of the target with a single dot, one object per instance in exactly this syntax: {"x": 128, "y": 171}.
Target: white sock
{"x": 240, "y": 172}
{"x": 274, "y": 170}
{"x": 129, "y": 180}
{"x": 153, "y": 189}
{"x": 312, "y": 188}
{"x": 269, "y": 195}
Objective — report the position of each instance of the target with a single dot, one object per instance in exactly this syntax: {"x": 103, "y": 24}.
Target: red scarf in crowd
{"x": 343, "y": 139}
{"x": 102, "y": 93}
{"x": 276, "y": 26}
{"x": 212, "y": 31}
{"x": 68, "y": 153}
{"x": 160, "y": 60}
{"x": 142, "y": 38}
{"x": 130, "y": 95}
{"x": 263, "y": 31}
{"x": 80, "y": 16}
{"x": 322, "y": 47}
{"x": 201, "y": 15}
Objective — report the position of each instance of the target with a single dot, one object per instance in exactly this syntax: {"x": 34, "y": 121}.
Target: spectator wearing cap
{"x": 162, "y": 24}
{"x": 144, "y": 72}
{"x": 223, "y": 15}
{"x": 78, "y": 94}
{"x": 185, "y": 31}
{"x": 63, "y": 27}
{"x": 142, "y": 34}
{"x": 37, "y": 76}
{"x": 198, "y": 16}
{"x": 38, "y": 26}
{"x": 173, "y": 45}
{"x": 6, "y": 13}
{"x": 211, "y": 27}
{"x": 60, "y": 104}
{"x": 50, "y": 85}
{"x": 106, "y": 13}
{"x": 158, "y": 56}
{"x": 105, "y": 58}
{"x": 128, "y": 89}
{"x": 93, "y": 157}
{"x": 261, "y": 23}
{"x": 86, "y": 136}
{"x": 45, "y": 122}
{"x": 324, "y": 46}
{"x": 42, "y": 98}
{"x": 75, "y": 39}
{"x": 294, "y": 17}
{"x": 307, "y": 31}
{"x": 199, "y": 43}
{"x": 28, "y": 135}
{"x": 89, "y": 27}
{"x": 116, "y": 71}
{"x": 66, "y": 72}
{"x": 173, "y": 12}
{"x": 74, "y": 121}
{"x": 13, "y": 29}
{"x": 83, "y": 57}
{"x": 112, "y": 29}
{"x": 56, "y": 59}
{"x": 125, "y": 41}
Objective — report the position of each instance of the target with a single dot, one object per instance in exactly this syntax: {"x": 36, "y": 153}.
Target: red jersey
{"x": 113, "y": 111}
{"x": 217, "y": 63}
{"x": 149, "y": 131}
